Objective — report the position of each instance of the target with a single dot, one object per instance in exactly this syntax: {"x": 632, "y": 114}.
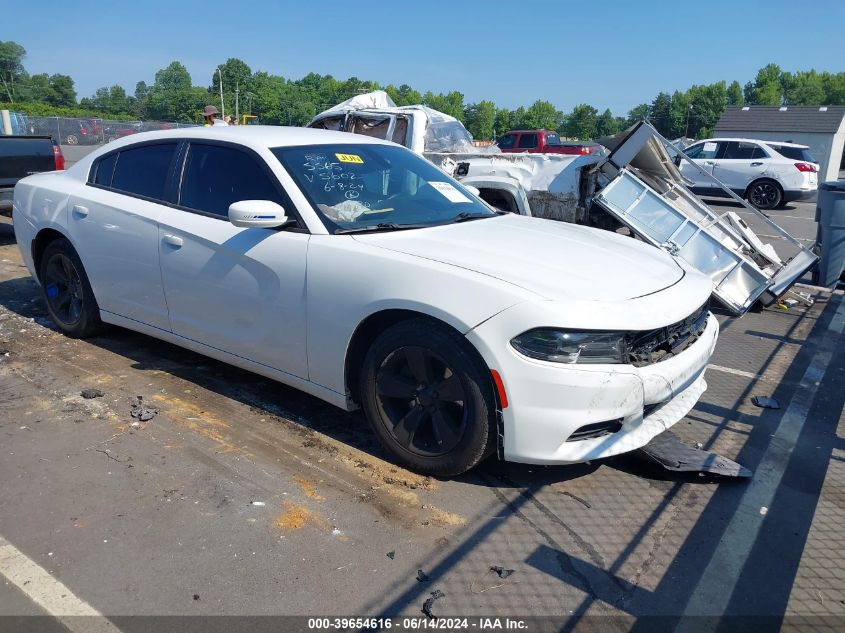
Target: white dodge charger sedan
{"x": 358, "y": 272}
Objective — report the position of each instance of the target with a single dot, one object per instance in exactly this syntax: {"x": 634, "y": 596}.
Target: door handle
{"x": 757, "y": 164}
{"x": 80, "y": 210}
{"x": 709, "y": 162}
{"x": 173, "y": 240}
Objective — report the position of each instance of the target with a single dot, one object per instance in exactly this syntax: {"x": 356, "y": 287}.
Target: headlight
{"x": 561, "y": 346}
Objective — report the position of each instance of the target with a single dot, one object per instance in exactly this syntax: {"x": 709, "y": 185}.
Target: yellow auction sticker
{"x": 350, "y": 158}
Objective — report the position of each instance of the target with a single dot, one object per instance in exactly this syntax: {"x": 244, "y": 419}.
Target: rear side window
{"x": 507, "y": 141}
{"x": 217, "y": 176}
{"x": 736, "y": 150}
{"x": 794, "y": 153}
{"x": 143, "y": 170}
{"x": 527, "y": 141}
{"x": 104, "y": 170}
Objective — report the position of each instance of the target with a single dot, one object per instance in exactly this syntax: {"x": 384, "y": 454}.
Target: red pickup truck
{"x": 541, "y": 142}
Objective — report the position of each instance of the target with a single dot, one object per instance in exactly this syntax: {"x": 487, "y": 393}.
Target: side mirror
{"x": 263, "y": 214}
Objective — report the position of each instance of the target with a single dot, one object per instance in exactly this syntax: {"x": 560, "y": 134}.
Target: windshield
{"x": 377, "y": 186}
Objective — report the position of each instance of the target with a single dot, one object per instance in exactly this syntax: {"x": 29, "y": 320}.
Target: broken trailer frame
{"x": 638, "y": 184}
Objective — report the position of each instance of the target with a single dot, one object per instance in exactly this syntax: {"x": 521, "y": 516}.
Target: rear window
{"x": 552, "y": 139}
{"x": 794, "y": 153}
{"x": 143, "y": 170}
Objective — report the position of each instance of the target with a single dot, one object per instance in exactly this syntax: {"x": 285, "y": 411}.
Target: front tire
{"x": 764, "y": 194}
{"x": 67, "y": 292}
{"x": 428, "y": 398}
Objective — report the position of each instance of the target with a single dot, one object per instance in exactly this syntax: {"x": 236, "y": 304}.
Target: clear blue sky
{"x": 608, "y": 53}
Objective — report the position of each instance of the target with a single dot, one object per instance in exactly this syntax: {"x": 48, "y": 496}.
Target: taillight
{"x": 806, "y": 167}
{"x": 586, "y": 150}
{"x": 58, "y": 157}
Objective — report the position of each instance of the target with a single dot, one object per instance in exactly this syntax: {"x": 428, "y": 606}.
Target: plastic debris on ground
{"x": 89, "y": 394}
{"x": 422, "y": 576}
{"x": 391, "y": 554}
{"x": 501, "y": 572}
{"x": 667, "y": 450}
{"x": 259, "y": 504}
{"x": 765, "y": 402}
{"x": 141, "y": 412}
{"x": 426, "y": 608}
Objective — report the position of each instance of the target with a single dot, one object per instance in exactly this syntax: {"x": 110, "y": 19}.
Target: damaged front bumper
{"x": 563, "y": 414}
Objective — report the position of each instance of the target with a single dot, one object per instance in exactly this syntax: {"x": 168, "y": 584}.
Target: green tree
{"x": 581, "y": 123}
{"x": 64, "y": 93}
{"x": 607, "y": 124}
{"x": 806, "y": 88}
{"x": 173, "y": 98}
{"x": 660, "y": 113}
{"x": 767, "y": 88}
{"x": 451, "y": 103}
{"x": 502, "y": 123}
{"x": 12, "y": 73}
{"x": 542, "y": 115}
{"x": 637, "y": 114}
{"x": 480, "y": 119}
{"x": 735, "y": 95}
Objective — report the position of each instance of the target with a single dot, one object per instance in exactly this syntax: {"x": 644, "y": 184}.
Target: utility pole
{"x": 237, "y": 90}
{"x": 222, "y": 107}
{"x": 686, "y": 129}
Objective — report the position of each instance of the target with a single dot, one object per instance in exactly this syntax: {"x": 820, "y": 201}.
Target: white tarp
{"x": 376, "y": 99}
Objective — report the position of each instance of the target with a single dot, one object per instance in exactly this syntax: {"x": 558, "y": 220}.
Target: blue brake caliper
{"x": 52, "y": 290}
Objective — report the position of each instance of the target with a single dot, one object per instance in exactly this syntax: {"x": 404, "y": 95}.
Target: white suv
{"x": 766, "y": 173}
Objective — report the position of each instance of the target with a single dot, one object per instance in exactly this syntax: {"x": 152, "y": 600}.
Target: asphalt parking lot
{"x": 243, "y": 497}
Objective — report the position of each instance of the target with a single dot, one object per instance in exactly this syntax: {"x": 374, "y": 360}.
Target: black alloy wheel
{"x": 423, "y": 399}
{"x": 765, "y": 195}
{"x": 67, "y": 292}
{"x": 429, "y": 397}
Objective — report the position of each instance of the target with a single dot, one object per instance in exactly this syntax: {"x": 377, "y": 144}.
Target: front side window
{"x": 216, "y": 176}
{"x": 507, "y": 141}
{"x": 366, "y": 185}
{"x": 143, "y": 170}
{"x": 528, "y": 141}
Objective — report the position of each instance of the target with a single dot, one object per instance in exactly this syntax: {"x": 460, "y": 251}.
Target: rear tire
{"x": 764, "y": 194}
{"x": 72, "y": 139}
{"x": 428, "y": 398}
{"x": 67, "y": 292}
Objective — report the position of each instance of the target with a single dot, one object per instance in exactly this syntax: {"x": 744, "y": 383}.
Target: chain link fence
{"x": 84, "y": 130}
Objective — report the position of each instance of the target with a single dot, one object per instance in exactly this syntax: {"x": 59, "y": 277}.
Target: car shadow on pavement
{"x": 7, "y": 233}
{"x": 765, "y": 553}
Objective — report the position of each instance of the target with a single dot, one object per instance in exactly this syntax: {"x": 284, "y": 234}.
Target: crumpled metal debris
{"x": 765, "y": 402}
{"x": 392, "y": 554}
{"x": 141, "y": 412}
{"x": 501, "y": 571}
{"x": 422, "y": 576}
{"x": 426, "y": 608}
{"x": 88, "y": 394}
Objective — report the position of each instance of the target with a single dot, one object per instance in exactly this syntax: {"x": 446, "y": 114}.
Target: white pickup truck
{"x": 633, "y": 183}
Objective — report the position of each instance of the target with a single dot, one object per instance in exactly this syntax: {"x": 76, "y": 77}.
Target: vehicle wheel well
{"x": 40, "y": 243}
{"x": 759, "y": 180}
{"x": 500, "y": 199}
{"x": 370, "y": 328}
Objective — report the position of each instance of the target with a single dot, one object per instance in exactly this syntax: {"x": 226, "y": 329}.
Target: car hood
{"x": 555, "y": 260}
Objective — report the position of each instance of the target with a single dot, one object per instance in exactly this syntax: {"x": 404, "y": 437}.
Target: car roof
{"x": 753, "y": 140}
{"x": 260, "y": 135}
{"x": 253, "y": 136}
